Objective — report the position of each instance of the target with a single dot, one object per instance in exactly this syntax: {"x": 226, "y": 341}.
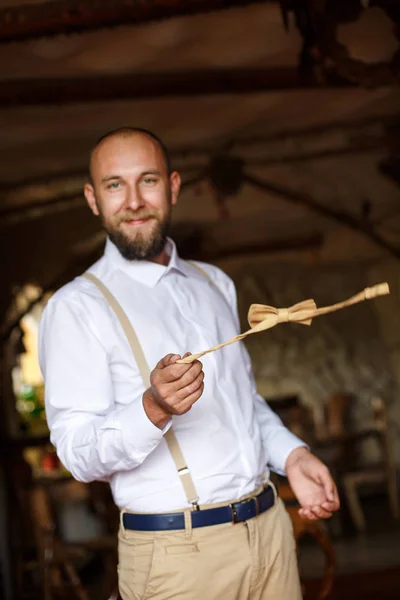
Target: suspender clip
{"x": 194, "y": 504}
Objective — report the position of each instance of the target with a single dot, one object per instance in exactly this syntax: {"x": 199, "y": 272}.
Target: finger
{"x": 173, "y": 358}
{"x": 191, "y": 388}
{"x": 164, "y": 361}
{"x": 186, "y": 404}
{"x": 173, "y": 372}
{"x": 177, "y": 372}
{"x": 167, "y": 393}
{"x": 330, "y": 506}
{"x": 336, "y": 498}
{"x": 190, "y": 375}
{"x": 306, "y": 513}
{"x": 328, "y": 484}
{"x": 321, "y": 513}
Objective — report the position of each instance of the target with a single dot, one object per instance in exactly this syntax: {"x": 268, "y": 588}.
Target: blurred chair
{"x": 59, "y": 561}
{"x": 22, "y": 547}
{"x": 58, "y": 574}
{"x": 339, "y": 444}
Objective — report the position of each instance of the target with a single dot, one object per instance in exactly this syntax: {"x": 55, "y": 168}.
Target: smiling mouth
{"x": 135, "y": 222}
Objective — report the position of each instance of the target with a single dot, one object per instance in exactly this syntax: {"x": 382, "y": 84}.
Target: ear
{"x": 91, "y": 198}
{"x": 175, "y": 183}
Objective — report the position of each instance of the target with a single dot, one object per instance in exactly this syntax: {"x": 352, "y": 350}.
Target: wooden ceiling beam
{"x": 36, "y": 210}
{"x": 355, "y": 128}
{"x": 136, "y": 86}
{"x": 76, "y": 16}
{"x": 55, "y": 178}
{"x": 339, "y": 216}
{"x": 290, "y": 244}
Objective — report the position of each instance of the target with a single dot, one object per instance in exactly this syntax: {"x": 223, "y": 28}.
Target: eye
{"x": 114, "y": 185}
{"x": 149, "y": 180}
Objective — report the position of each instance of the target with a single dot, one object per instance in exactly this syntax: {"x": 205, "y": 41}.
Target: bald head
{"x": 137, "y": 135}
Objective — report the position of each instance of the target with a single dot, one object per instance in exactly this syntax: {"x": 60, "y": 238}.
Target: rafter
{"x": 54, "y": 178}
{"x": 36, "y": 210}
{"x": 71, "y": 16}
{"x": 310, "y": 242}
{"x": 353, "y": 127}
{"x": 333, "y": 214}
{"x": 15, "y": 92}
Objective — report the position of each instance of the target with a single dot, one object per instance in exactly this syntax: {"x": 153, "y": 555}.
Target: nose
{"x": 134, "y": 199}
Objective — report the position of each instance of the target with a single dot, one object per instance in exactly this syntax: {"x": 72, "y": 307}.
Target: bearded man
{"x": 186, "y": 448}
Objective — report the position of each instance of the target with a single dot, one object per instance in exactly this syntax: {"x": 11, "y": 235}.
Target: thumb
{"x": 167, "y": 360}
{"x": 328, "y": 484}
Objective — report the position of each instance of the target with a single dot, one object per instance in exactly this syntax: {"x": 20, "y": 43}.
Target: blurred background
{"x": 283, "y": 119}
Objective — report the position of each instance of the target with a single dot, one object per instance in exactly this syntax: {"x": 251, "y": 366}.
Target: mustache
{"x": 130, "y": 215}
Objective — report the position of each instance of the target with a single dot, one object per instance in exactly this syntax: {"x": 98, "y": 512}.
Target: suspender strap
{"x": 202, "y": 271}
{"x": 130, "y": 333}
{"x": 144, "y": 369}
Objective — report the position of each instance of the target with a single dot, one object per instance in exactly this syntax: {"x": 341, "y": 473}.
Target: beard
{"x": 143, "y": 246}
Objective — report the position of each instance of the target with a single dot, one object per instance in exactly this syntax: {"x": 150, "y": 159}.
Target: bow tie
{"x": 262, "y": 317}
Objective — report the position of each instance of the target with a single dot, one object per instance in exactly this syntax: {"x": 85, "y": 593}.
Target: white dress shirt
{"x": 94, "y": 389}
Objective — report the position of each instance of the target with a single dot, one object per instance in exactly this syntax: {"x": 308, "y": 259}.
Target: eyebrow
{"x": 143, "y": 174}
{"x": 110, "y": 178}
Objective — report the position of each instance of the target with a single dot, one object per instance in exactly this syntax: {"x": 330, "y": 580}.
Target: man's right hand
{"x": 174, "y": 389}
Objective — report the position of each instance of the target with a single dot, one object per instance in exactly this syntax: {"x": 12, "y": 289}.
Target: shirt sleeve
{"x": 278, "y": 441}
{"x": 93, "y": 437}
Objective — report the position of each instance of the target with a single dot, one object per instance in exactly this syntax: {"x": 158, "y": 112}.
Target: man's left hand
{"x": 312, "y": 484}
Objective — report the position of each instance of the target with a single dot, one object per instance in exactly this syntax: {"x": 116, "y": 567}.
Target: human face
{"x": 133, "y": 195}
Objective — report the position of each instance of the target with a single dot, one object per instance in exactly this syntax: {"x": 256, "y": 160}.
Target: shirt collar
{"x": 146, "y": 271}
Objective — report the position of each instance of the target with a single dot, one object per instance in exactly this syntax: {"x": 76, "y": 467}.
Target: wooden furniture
{"x": 340, "y": 446}
{"x": 383, "y": 473}
{"x": 57, "y": 559}
{"x": 45, "y": 567}
{"x": 334, "y": 437}
{"x": 58, "y": 575}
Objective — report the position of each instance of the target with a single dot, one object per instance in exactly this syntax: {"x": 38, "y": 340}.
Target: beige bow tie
{"x": 261, "y": 317}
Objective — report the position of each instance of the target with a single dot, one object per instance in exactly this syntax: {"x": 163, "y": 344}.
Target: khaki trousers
{"x": 252, "y": 560}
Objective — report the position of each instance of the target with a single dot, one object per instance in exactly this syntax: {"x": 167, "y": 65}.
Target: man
{"x": 187, "y": 452}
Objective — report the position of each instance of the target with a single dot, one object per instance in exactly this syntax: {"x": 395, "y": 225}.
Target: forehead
{"x": 131, "y": 153}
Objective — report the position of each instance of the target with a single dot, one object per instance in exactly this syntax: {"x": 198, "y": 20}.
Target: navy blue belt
{"x": 232, "y": 513}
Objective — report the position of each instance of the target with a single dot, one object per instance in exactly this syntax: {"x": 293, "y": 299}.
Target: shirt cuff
{"x": 283, "y": 445}
{"x": 139, "y": 435}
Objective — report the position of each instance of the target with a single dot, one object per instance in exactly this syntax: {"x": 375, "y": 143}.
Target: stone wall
{"x": 355, "y": 350}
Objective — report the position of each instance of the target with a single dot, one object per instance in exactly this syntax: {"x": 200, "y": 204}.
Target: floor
{"x": 363, "y": 553}
{"x": 368, "y": 565}
{"x": 375, "y": 585}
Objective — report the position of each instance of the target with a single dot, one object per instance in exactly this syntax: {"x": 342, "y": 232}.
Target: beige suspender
{"x": 203, "y": 272}
{"x": 144, "y": 369}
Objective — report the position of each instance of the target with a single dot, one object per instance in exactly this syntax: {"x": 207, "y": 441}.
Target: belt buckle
{"x": 234, "y": 511}
{"x": 234, "y": 514}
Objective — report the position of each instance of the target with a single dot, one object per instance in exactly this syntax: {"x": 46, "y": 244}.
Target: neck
{"x": 162, "y": 258}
